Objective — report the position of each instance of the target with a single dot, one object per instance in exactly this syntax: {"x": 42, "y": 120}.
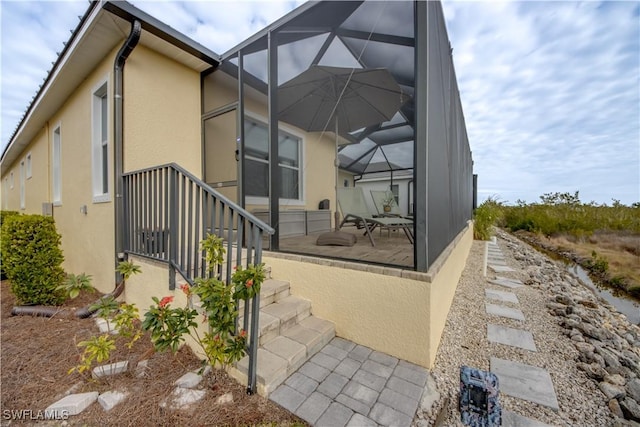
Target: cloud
{"x": 550, "y": 96}
{"x": 550, "y": 90}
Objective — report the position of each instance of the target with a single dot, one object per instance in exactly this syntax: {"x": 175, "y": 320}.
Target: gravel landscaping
{"x": 590, "y": 387}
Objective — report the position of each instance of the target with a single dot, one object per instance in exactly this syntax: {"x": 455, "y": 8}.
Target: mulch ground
{"x": 37, "y": 354}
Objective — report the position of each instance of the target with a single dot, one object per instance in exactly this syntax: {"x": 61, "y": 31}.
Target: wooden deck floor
{"x": 392, "y": 247}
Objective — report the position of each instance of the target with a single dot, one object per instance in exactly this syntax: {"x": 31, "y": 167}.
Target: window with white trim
{"x": 5, "y": 193}
{"x": 257, "y": 162}
{"x": 100, "y": 144}
{"x": 28, "y": 165}
{"x": 56, "y": 169}
{"x": 22, "y": 186}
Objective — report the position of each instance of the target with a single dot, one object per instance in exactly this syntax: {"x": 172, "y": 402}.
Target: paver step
{"x": 271, "y": 291}
{"x": 278, "y": 317}
{"x": 282, "y": 355}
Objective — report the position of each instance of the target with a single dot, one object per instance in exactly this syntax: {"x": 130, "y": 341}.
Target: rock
{"x": 593, "y": 370}
{"x": 564, "y": 299}
{"x": 571, "y": 324}
{"x": 614, "y": 406}
{"x": 595, "y": 332}
{"x": 224, "y": 399}
{"x": 577, "y": 338}
{"x": 587, "y": 303}
{"x": 609, "y": 358}
{"x": 555, "y": 305}
{"x": 615, "y": 379}
{"x": 630, "y": 409}
{"x": 612, "y": 391}
{"x": 633, "y": 389}
{"x": 584, "y": 347}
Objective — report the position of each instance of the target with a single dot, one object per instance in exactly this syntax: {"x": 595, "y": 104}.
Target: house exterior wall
{"x": 36, "y": 186}
{"x": 318, "y": 152}
{"x": 382, "y": 184}
{"x": 162, "y": 125}
{"x": 87, "y": 239}
{"x": 162, "y": 113}
{"x": 371, "y": 305}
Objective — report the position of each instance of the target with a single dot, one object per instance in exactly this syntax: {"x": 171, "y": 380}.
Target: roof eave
{"x": 126, "y": 12}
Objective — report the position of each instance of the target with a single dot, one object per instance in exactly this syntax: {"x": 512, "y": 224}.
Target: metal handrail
{"x": 168, "y": 211}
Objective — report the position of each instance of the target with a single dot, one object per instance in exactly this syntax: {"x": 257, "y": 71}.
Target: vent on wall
{"x": 47, "y": 209}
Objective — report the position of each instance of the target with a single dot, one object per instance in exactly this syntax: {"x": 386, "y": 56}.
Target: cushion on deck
{"x": 336, "y": 238}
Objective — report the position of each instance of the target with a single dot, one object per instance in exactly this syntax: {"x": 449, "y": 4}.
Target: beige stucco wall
{"x": 162, "y": 125}
{"x": 87, "y": 240}
{"x": 318, "y": 149}
{"x": 444, "y": 284}
{"x": 371, "y": 305}
{"x": 162, "y": 113}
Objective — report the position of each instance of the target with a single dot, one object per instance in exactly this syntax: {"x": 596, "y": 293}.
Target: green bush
{"x": 564, "y": 213}
{"x": 488, "y": 214}
{"x": 32, "y": 259}
{"x": 6, "y": 214}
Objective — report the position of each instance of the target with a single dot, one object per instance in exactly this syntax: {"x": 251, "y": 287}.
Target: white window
{"x": 257, "y": 162}
{"x": 5, "y": 193}
{"x": 22, "y": 186}
{"x": 100, "y": 144}
{"x": 28, "y": 165}
{"x": 56, "y": 170}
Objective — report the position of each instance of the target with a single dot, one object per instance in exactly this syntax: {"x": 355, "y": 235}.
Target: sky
{"x": 550, "y": 89}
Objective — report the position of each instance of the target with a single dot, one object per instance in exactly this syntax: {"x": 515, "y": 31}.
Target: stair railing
{"x": 168, "y": 211}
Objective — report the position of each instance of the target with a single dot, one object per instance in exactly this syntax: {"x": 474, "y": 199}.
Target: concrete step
{"x": 271, "y": 291}
{"x": 278, "y": 317}
{"x": 284, "y": 354}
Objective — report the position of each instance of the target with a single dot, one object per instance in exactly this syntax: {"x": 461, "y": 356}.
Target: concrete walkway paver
{"x": 501, "y": 296}
{"x": 525, "y": 381}
{"x": 511, "y": 336}
{"x": 502, "y": 311}
{"x": 349, "y": 384}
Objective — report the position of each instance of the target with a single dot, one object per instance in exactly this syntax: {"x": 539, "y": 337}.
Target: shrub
{"x": 6, "y": 214}
{"x": 74, "y": 284}
{"x": 485, "y": 217}
{"x": 32, "y": 259}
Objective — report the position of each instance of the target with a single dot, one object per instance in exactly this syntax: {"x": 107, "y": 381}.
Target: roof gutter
{"x": 118, "y": 95}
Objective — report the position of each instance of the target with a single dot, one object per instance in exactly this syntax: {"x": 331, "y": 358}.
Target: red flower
{"x": 165, "y": 301}
{"x": 249, "y": 283}
{"x": 243, "y": 333}
{"x": 186, "y": 289}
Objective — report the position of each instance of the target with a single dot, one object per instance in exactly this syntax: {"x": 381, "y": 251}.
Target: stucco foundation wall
{"x": 444, "y": 284}
{"x": 387, "y": 313}
{"x": 395, "y": 311}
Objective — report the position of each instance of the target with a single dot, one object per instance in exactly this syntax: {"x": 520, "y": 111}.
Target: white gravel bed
{"x": 464, "y": 342}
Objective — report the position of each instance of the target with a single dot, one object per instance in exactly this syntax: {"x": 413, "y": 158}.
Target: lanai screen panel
{"x": 368, "y": 35}
{"x": 449, "y": 168}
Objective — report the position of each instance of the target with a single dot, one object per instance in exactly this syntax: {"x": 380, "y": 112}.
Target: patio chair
{"x": 379, "y": 200}
{"x": 355, "y": 211}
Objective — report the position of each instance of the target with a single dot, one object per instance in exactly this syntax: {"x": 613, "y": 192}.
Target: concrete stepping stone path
{"x": 501, "y": 296}
{"x": 516, "y": 379}
{"x": 507, "y": 283}
{"x": 525, "y": 382}
{"x": 502, "y": 311}
{"x": 510, "y": 336}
